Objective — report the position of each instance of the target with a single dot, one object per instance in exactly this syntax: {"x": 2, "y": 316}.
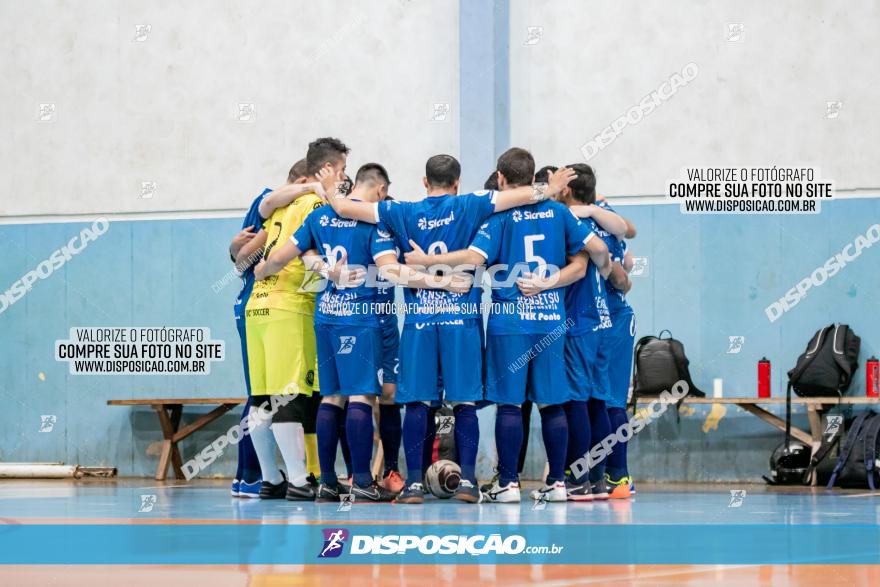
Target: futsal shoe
{"x": 467, "y": 492}
{"x": 392, "y": 482}
{"x": 619, "y": 489}
{"x": 303, "y": 493}
{"x": 507, "y": 494}
{"x": 600, "y": 489}
{"x": 235, "y": 488}
{"x": 632, "y": 486}
{"x": 327, "y": 493}
{"x": 372, "y": 492}
{"x": 274, "y": 490}
{"x": 249, "y": 490}
{"x": 578, "y": 492}
{"x": 415, "y": 493}
{"x": 554, "y": 492}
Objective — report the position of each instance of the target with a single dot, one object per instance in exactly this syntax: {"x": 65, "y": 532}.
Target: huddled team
{"x": 322, "y": 346}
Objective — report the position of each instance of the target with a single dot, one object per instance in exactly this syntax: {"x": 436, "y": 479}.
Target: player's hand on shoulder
{"x": 558, "y": 180}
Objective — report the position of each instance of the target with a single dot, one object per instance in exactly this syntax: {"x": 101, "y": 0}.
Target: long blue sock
{"x": 389, "y": 433}
{"x": 617, "y": 468}
{"x": 327, "y": 427}
{"x": 600, "y": 428}
{"x": 359, "y": 428}
{"x": 467, "y": 440}
{"x": 430, "y": 436}
{"x": 554, "y": 429}
{"x": 343, "y": 442}
{"x": 415, "y": 424}
{"x": 508, "y": 440}
{"x": 578, "y": 434}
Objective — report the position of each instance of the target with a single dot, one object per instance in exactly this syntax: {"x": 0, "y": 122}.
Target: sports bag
{"x": 658, "y": 364}
{"x": 827, "y": 366}
{"x": 857, "y": 465}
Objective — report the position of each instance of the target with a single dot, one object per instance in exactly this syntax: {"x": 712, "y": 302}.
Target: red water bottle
{"x": 764, "y": 377}
{"x": 872, "y": 385}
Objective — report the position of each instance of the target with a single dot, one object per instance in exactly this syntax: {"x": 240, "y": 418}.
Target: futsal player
{"x": 248, "y": 479}
{"x": 588, "y": 346}
{"x": 525, "y": 334}
{"x": 281, "y": 341}
{"x": 348, "y": 331}
{"x": 615, "y": 356}
{"x": 443, "y": 332}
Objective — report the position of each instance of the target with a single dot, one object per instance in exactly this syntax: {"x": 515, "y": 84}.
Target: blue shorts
{"x": 430, "y": 353}
{"x": 586, "y": 374}
{"x": 349, "y": 359}
{"x": 516, "y": 363}
{"x": 616, "y": 355}
{"x": 390, "y": 348}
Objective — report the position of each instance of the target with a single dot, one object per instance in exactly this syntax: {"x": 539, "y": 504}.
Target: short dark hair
{"x": 518, "y": 166}
{"x": 373, "y": 173}
{"x": 297, "y": 171}
{"x": 442, "y": 171}
{"x": 324, "y": 150}
{"x": 543, "y": 174}
{"x": 491, "y": 182}
{"x": 583, "y": 186}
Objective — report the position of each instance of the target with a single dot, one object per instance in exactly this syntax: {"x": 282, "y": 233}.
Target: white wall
{"x": 165, "y": 109}
{"x": 758, "y": 101}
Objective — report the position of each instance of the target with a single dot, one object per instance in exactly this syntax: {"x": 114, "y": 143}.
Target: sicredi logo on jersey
{"x": 527, "y": 215}
{"x": 425, "y": 224}
{"x": 337, "y": 223}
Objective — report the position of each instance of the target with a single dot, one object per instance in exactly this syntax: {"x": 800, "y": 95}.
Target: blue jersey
{"x": 617, "y": 247}
{"x": 438, "y": 224}
{"x": 585, "y": 299}
{"x": 254, "y": 219}
{"x": 361, "y": 243}
{"x": 539, "y": 237}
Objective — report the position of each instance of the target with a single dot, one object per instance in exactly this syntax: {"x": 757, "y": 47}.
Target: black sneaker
{"x": 578, "y": 492}
{"x": 414, "y": 493}
{"x": 372, "y": 492}
{"x": 274, "y": 490}
{"x": 328, "y": 493}
{"x": 599, "y": 489}
{"x": 467, "y": 492}
{"x": 304, "y": 493}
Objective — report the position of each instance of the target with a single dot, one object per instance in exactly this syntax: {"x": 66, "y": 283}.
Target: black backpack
{"x": 826, "y": 368}
{"x": 658, "y": 364}
{"x": 857, "y": 464}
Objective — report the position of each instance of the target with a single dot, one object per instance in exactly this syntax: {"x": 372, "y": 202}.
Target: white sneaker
{"x": 507, "y": 494}
{"x": 555, "y": 492}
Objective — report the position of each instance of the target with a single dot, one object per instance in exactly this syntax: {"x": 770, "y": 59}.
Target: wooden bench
{"x": 817, "y": 409}
{"x": 169, "y": 412}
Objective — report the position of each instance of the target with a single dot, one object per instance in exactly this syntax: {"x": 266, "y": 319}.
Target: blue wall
{"x": 708, "y": 277}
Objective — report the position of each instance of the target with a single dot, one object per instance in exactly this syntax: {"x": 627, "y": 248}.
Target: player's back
{"x": 284, "y": 290}
{"x": 535, "y": 239}
{"x": 338, "y": 238}
{"x": 439, "y": 224}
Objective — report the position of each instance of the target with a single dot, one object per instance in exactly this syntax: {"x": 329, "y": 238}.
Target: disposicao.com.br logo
{"x": 431, "y": 544}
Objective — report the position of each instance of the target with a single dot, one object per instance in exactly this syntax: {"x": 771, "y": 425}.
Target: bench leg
{"x": 815, "y": 415}
{"x": 169, "y": 420}
{"x": 776, "y": 422}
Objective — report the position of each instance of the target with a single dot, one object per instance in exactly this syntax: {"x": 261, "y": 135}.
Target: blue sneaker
{"x": 249, "y": 490}
{"x": 235, "y": 488}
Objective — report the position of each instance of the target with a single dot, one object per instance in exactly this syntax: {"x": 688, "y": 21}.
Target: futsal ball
{"x": 442, "y": 479}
